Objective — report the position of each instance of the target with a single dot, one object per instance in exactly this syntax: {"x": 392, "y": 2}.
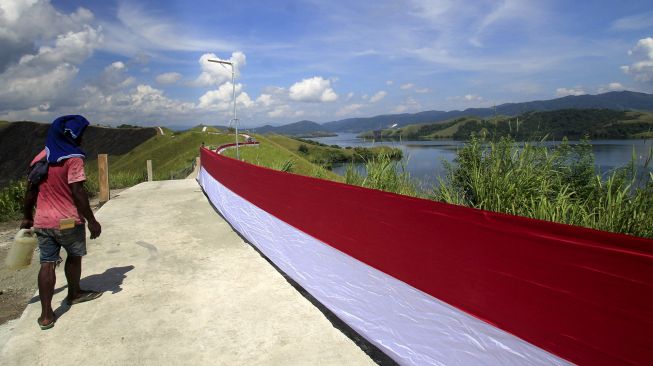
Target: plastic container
{"x": 21, "y": 252}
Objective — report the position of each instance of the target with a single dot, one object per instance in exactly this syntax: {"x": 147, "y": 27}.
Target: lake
{"x": 423, "y": 159}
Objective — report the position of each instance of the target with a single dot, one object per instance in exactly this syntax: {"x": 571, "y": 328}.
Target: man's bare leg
{"x": 73, "y": 269}
{"x": 47, "y": 279}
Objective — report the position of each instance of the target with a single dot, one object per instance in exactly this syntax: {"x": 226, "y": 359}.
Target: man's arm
{"x": 81, "y": 202}
{"x": 29, "y": 201}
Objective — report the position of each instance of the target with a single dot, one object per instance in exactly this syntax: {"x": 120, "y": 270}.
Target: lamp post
{"x": 233, "y": 86}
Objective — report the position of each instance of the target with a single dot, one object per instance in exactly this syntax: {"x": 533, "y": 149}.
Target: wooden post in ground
{"x": 103, "y": 177}
{"x": 150, "y": 177}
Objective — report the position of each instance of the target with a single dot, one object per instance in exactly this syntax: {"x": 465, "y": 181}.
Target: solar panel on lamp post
{"x": 233, "y": 86}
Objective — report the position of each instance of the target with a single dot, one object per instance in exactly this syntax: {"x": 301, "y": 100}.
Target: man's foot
{"x": 46, "y": 323}
{"x": 83, "y": 296}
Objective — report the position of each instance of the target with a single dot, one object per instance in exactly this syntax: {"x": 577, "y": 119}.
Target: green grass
{"x": 277, "y": 152}
{"x": 306, "y": 157}
{"x": 172, "y": 157}
{"x": 325, "y": 155}
{"x": 383, "y": 173}
{"x": 11, "y": 201}
{"x": 199, "y": 128}
{"x": 557, "y": 185}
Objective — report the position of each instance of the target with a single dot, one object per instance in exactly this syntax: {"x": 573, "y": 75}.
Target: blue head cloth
{"x": 64, "y": 137}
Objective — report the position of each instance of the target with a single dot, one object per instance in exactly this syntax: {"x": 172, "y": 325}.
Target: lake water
{"x": 423, "y": 159}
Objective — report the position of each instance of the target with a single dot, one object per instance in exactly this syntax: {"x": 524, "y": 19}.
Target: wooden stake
{"x": 150, "y": 176}
{"x": 103, "y": 176}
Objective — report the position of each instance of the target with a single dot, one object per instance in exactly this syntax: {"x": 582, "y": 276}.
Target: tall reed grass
{"x": 531, "y": 180}
{"x": 383, "y": 173}
{"x": 557, "y": 184}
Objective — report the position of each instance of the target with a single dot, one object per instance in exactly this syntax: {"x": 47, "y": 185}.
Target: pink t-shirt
{"x": 55, "y": 200}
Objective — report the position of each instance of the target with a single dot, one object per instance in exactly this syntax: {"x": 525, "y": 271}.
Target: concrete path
{"x": 181, "y": 288}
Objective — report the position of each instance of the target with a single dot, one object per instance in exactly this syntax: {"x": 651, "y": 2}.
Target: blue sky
{"x": 145, "y": 62}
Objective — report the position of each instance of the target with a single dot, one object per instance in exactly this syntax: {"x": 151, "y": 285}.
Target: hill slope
{"x": 297, "y": 128}
{"x": 623, "y": 100}
{"x": 21, "y": 141}
{"x": 570, "y": 123}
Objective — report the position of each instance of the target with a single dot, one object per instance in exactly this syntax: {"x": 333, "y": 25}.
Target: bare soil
{"x": 17, "y": 287}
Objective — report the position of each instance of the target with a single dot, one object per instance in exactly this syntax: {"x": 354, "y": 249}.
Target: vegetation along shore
{"x": 554, "y": 125}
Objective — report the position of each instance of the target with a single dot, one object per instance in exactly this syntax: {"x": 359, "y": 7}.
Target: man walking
{"x": 56, "y": 188}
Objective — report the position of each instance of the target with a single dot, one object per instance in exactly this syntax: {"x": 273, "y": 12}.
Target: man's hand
{"x": 95, "y": 229}
{"x": 26, "y": 224}
{"x": 81, "y": 202}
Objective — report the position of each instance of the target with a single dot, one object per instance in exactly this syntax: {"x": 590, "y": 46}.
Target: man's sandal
{"x": 85, "y": 296}
{"x": 46, "y": 326}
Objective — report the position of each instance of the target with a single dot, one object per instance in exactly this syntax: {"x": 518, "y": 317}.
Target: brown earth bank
{"x": 17, "y": 287}
{"x": 21, "y": 141}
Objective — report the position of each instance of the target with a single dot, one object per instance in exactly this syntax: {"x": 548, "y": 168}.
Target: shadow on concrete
{"x": 366, "y": 346}
{"x": 109, "y": 281}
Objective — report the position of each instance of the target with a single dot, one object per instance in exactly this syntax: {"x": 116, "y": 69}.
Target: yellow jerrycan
{"x": 22, "y": 250}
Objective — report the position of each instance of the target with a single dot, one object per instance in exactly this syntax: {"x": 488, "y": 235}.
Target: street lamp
{"x": 233, "y": 85}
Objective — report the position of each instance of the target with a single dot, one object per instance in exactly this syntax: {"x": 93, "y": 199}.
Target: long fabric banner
{"x": 433, "y": 283}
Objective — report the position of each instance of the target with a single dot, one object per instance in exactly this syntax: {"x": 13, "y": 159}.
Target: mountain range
{"x": 617, "y": 100}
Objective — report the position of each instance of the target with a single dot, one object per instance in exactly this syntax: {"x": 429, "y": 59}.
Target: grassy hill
{"x": 172, "y": 155}
{"x": 570, "y": 123}
{"x": 21, "y": 141}
{"x": 276, "y": 152}
{"x": 306, "y": 157}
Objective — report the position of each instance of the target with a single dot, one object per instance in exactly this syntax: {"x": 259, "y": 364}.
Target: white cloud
{"x": 422, "y": 90}
{"x": 378, "y": 96}
{"x": 642, "y": 67}
{"x": 349, "y": 96}
{"x": 244, "y": 100}
{"x": 24, "y": 24}
{"x": 633, "y": 22}
{"x": 468, "y": 99}
{"x": 281, "y": 111}
{"x": 611, "y": 87}
{"x": 265, "y": 100}
{"x": 214, "y": 73}
{"x": 409, "y": 105}
{"x": 139, "y": 29}
{"x": 407, "y": 86}
{"x": 389, "y": 82}
{"x": 168, "y": 78}
{"x": 472, "y": 97}
{"x": 563, "y": 92}
{"x": 348, "y": 109}
{"x": 44, "y": 76}
{"x": 114, "y": 77}
{"x": 219, "y": 99}
{"x": 142, "y": 103}
{"x": 315, "y": 89}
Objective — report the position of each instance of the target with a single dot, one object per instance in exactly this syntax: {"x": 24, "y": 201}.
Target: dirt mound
{"x": 21, "y": 141}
